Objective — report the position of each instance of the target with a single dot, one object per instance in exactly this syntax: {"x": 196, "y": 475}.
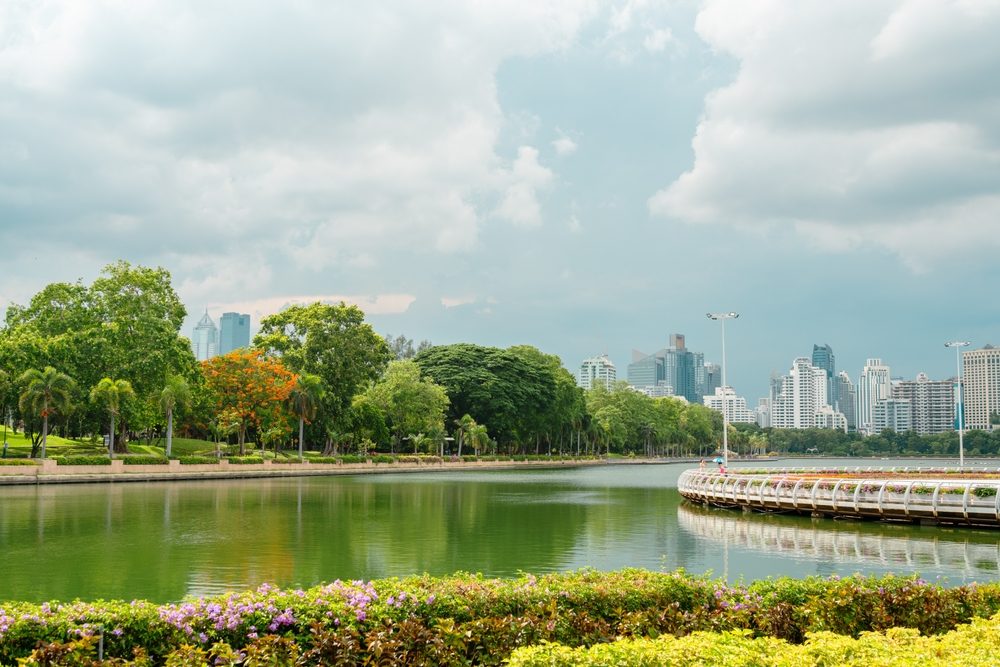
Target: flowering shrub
{"x": 467, "y": 619}
{"x": 245, "y": 460}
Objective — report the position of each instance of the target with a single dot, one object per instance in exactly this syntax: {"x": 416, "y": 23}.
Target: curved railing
{"x": 928, "y": 495}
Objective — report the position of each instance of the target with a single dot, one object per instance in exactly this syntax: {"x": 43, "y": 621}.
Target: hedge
{"x": 83, "y": 460}
{"x": 136, "y": 459}
{"x": 974, "y": 644}
{"x": 19, "y": 462}
{"x": 468, "y": 619}
{"x": 197, "y": 460}
{"x": 245, "y": 460}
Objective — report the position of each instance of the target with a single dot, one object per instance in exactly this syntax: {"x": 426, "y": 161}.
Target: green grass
{"x": 19, "y": 445}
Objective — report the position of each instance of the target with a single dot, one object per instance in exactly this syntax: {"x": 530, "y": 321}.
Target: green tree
{"x": 112, "y": 396}
{"x": 45, "y": 392}
{"x": 332, "y": 342}
{"x": 463, "y": 429}
{"x": 411, "y": 402}
{"x": 305, "y": 398}
{"x": 176, "y": 394}
{"x": 402, "y": 348}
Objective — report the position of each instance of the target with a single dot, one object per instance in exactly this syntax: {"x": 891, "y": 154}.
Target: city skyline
{"x": 585, "y": 177}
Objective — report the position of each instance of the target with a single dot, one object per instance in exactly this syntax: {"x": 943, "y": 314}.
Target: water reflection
{"x": 899, "y": 548}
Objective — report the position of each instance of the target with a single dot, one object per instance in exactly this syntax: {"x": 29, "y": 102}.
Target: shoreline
{"x": 50, "y": 472}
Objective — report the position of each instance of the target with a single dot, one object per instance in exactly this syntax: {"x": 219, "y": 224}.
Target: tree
{"x": 496, "y": 387}
{"x": 44, "y": 393}
{"x": 411, "y": 403}
{"x": 112, "y": 395}
{"x": 249, "y": 387}
{"x": 464, "y": 429}
{"x": 402, "y": 347}
{"x": 330, "y": 341}
{"x": 175, "y": 394}
{"x": 305, "y": 398}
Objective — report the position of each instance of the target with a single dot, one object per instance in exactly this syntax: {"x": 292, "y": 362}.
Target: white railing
{"x": 850, "y": 492}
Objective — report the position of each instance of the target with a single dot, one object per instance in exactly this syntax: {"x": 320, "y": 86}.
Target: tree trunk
{"x": 111, "y": 438}
{"x": 45, "y": 428}
{"x": 241, "y": 439}
{"x": 170, "y": 430}
{"x": 301, "y": 430}
{"x": 461, "y": 435}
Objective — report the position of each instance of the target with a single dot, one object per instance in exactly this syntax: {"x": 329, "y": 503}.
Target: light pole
{"x": 722, "y": 317}
{"x": 958, "y": 345}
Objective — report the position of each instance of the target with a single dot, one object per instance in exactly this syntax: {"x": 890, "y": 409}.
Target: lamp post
{"x": 722, "y": 317}
{"x": 958, "y": 345}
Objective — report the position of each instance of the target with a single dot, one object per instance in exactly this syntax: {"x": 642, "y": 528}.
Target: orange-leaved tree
{"x": 249, "y": 386}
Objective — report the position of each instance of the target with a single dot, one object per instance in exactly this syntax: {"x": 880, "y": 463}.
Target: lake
{"x": 166, "y": 540}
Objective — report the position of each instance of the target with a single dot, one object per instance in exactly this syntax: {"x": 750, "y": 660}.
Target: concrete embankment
{"x": 50, "y": 472}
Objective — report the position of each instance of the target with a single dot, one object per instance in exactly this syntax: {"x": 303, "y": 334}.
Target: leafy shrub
{"x": 468, "y": 619}
{"x": 352, "y": 458}
{"x": 19, "y": 462}
{"x": 324, "y": 459}
{"x": 383, "y": 458}
{"x": 431, "y": 459}
{"x": 245, "y": 460}
{"x": 470, "y": 459}
{"x": 135, "y": 459}
{"x": 985, "y": 491}
{"x": 286, "y": 459}
{"x": 83, "y": 460}
{"x": 197, "y": 460}
{"x": 408, "y": 459}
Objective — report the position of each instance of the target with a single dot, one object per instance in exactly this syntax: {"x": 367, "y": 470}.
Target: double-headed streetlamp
{"x": 958, "y": 345}
{"x": 722, "y": 317}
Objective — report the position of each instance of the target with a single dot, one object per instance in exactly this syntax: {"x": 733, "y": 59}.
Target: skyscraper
{"x": 799, "y": 396}
{"x": 847, "y": 401}
{"x": 874, "y": 385}
{"x": 674, "y": 366}
{"x": 822, "y": 357}
{"x": 735, "y": 407}
{"x": 205, "y": 338}
{"x": 235, "y": 332}
{"x": 981, "y": 394}
{"x": 597, "y": 370}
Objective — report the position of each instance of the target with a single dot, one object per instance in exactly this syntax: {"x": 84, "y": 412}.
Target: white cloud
{"x": 564, "y": 145}
{"x": 317, "y": 134}
{"x": 520, "y": 202}
{"x": 372, "y": 304}
{"x": 657, "y": 39}
{"x": 453, "y": 301}
{"x": 853, "y": 123}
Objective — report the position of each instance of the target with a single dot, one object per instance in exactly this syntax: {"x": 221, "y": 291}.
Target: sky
{"x": 586, "y": 177}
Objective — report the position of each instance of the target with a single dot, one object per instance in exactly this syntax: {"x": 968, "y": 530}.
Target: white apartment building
{"x": 732, "y": 406}
{"x": 799, "y": 396}
{"x": 932, "y": 403}
{"x": 892, "y": 413}
{"x": 981, "y": 394}
{"x": 827, "y": 417}
{"x": 597, "y": 370}
{"x": 874, "y": 385}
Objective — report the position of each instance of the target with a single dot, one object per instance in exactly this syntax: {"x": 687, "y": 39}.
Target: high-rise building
{"x": 205, "y": 339}
{"x": 764, "y": 412}
{"x": 981, "y": 394}
{"x": 713, "y": 378}
{"x": 823, "y": 357}
{"x": 234, "y": 333}
{"x": 827, "y": 417}
{"x": 799, "y": 396}
{"x": 735, "y": 407}
{"x": 597, "y": 370}
{"x": 846, "y": 400}
{"x": 673, "y": 366}
{"x": 893, "y": 414}
{"x": 874, "y": 385}
{"x": 932, "y": 403}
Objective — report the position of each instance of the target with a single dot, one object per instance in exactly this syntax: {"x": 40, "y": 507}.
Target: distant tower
{"x": 235, "y": 333}
{"x": 822, "y": 357}
{"x": 873, "y": 386}
{"x": 597, "y": 370}
{"x": 205, "y": 341}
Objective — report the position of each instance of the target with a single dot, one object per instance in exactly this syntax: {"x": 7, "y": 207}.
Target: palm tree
{"x": 45, "y": 392}
{"x": 176, "y": 394}
{"x": 112, "y": 394}
{"x": 464, "y": 430}
{"x": 305, "y": 399}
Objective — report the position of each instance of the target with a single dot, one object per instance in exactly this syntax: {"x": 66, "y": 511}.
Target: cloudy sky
{"x": 585, "y": 177}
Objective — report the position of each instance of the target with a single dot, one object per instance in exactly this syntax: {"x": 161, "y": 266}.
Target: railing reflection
{"x": 803, "y": 538}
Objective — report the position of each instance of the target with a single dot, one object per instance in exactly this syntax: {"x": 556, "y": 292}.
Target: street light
{"x": 958, "y": 345}
{"x": 722, "y": 317}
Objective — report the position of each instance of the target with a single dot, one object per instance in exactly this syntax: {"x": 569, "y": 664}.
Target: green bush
{"x": 469, "y": 619}
{"x": 130, "y": 459}
{"x": 197, "y": 460}
{"x": 19, "y": 462}
{"x": 410, "y": 458}
{"x": 245, "y": 460}
{"x": 287, "y": 459}
{"x": 83, "y": 460}
{"x": 383, "y": 458}
{"x": 324, "y": 459}
{"x": 352, "y": 458}
{"x": 431, "y": 459}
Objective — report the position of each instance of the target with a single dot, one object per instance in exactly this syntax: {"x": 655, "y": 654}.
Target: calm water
{"x": 163, "y": 541}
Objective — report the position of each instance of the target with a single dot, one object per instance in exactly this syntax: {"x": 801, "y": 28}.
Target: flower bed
{"x": 468, "y": 619}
